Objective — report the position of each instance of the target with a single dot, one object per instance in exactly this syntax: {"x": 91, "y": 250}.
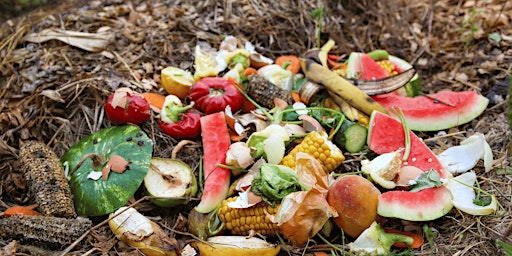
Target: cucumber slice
{"x": 351, "y": 136}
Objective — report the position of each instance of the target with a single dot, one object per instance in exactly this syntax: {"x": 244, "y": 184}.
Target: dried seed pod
{"x": 263, "y": 92}
{"x": 45, "y": 177}
{"x": 44, "y": 229}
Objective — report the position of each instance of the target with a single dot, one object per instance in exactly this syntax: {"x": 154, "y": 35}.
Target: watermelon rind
{"x": 216, "y": 142}
{"x": 413, "y": 88}
{"x": 435, "y": 112}
{"x": 424, "y": 205}
{"x": 386, "y": 134}
{"x": 100, "y": 197}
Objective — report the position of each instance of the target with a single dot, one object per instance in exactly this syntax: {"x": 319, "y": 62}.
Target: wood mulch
{"x": 54, "y": 91}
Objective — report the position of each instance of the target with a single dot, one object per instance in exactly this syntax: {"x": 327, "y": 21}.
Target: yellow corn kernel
{"x": 318, "y": 146}
{"x": 240, "y": 221}
{"x": 388, "y": 66}
{"x": 363, "y": 119}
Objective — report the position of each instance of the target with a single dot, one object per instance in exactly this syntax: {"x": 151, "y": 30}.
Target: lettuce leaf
{"x": 274, "y": 182}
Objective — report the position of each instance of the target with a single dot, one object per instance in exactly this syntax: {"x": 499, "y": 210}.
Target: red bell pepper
{"x": 178, "y": 121}
{"x": 213, "y": 94}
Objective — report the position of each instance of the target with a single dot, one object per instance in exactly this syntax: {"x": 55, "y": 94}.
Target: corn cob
{"x": 263, "y": 92}
{"x": 45, "y": 177}
{"x": 44, "y": 229}
{"x": 318, "y": 146}
{"x": 240, "y": 221}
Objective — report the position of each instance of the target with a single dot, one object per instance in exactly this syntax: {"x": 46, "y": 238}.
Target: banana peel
{"x": 340, "y": 87}
{"x": 350, "y": 112}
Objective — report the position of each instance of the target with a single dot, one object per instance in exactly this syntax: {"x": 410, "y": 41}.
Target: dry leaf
{"x": 52, "y": 94}
{"x": 93, "y": 42}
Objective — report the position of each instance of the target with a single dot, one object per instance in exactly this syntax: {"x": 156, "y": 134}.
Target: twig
{"x": 438, "y": 100}
{"x": 75, "y": 243}
{"x": 138, "y": 83}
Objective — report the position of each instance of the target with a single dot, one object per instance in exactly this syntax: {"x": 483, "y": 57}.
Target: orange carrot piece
{"x": 250, "y": 71}
{"x": 20, "y": 210}
{"x": 320, "y": 254}
{"x": 417, "y": 238}
{"x": 155, "y": 99}
{"x": 296, "y": 97}
{"x": 291, "y": 62}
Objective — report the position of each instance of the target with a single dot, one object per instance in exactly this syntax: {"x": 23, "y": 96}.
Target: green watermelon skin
{"x": 216, "y": 142}
{"x": 411, "y": 89}
{"x": 363, "y": 67}
{"x": 424, "y": 205}
{"x": 439, "y": 111}
{"x": 386, "y": 134}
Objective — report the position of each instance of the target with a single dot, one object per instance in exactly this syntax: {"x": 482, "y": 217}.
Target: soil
{"x": 54, "y": 91}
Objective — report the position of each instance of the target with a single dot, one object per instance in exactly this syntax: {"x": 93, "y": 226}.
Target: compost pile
{"x": 53, "y": 89}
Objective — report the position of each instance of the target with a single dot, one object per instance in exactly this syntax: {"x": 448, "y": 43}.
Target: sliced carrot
{"x": 296, "y": 97}
{"x": 417, "y": 238}
{"x": 154, "y": 99}
{"x": 290, "y": 62}
{"x": 320, "y": 254}
{"x": 20, "y": 210}
{"x": 250, "y": 71}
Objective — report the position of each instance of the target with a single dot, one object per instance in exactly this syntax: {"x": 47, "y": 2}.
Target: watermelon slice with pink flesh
{"x": 424, "y": 205}
{"x": 439, "y": 111}
{"x": 386, "y": 134}
{"x": 216, "y": 142}
{"x": 363, "y": 67}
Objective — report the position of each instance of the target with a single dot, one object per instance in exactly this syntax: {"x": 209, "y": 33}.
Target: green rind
{"x": 216, "y": 142}
{"x": 386, "y": 134}
{"x": 99, "y": 197}
{"x": 424, "y": 205}
{"x": 413, "y": 88}
{"x": 440, "y": 111}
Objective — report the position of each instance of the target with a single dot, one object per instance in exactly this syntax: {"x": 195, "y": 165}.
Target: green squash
{"x": 96, "y": 197}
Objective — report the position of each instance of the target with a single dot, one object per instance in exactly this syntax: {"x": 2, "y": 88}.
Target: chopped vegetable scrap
{"x": 375, "y": 241}
{"x": 283, "y": 127}
{"x": 178, "y": 121}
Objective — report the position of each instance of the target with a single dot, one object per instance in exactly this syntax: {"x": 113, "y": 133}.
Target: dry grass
{"x": 436, "y": 36}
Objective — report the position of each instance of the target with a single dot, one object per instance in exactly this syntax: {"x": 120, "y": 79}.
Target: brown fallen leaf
{"x": 93, "y": 42}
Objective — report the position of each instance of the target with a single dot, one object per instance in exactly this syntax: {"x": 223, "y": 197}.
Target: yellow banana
{"x": 350, "y": 112}
{"x": 340, "y": 86}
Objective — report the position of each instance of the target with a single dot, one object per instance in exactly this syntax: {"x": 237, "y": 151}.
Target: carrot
{"x": 296, "y": 97}
{"x": 417, "y": 238}
{"x": 250, "y": 71}
{"x": 289, "y": 62}
{"x": 154, "y": 99}
{"x": 20, "y": 210}
{"x": 320, "y": 254}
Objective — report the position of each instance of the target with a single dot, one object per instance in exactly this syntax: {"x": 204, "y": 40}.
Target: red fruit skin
{"x": 188, "y": 127}
{"x": 136, "y": 111}
{"x": 213, "y": 94}
{"x": 355, "y": 199}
